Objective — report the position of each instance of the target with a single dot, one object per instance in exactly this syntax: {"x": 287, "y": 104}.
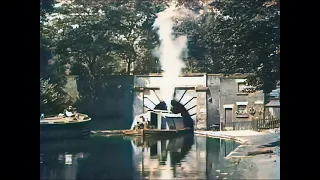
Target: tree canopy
{"x": 96, "y": 38}
{"x": 238, "y": 37}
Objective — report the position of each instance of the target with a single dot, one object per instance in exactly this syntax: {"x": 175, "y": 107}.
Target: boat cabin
{"x": 161, "y": 120}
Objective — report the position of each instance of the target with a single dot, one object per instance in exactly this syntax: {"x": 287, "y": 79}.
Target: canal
{"x": 118, "y": 157}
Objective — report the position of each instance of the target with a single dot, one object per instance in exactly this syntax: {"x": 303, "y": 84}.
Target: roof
{"x": 171, "y": 115}
{"x": 273, "y": 103}
{"x": 275, "y": 92}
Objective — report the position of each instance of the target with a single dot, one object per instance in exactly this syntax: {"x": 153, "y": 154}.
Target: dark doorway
{"x": 177, "y": 108}
{"x": 228, "y": 115}
{"x": 154, "y": 120}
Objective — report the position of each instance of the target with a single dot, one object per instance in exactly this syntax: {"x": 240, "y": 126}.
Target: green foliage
{"x": 52, "y": 98}
{"x": 46, "y": 6}
{"x": 99, "y": 38}
{"x": 103, "y": 37}
{"x": 134, "y": 32}
{"x": 249, "y": 40}
{"x": 241, "y": 37}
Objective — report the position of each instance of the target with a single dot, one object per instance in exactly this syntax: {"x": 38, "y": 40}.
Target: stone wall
{"x": 113, "y": 106}
{"x": 229, "y": 95}
{"x": 213, "y": 98}
{"x": 201, "y": 116}
{"x": 122, "y": 100}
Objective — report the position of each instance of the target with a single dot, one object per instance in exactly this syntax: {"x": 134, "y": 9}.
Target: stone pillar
{"x": 213, "y": 113}
{"x": 137, "y": 102}
{"x": 201, "y": 117}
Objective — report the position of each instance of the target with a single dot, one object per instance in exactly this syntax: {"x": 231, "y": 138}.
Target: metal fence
{"x": 256, "y": 125}
{"x": 260, "y": 124}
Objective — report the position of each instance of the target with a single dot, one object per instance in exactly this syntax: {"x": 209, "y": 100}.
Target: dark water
{"x": 120, "y": 157}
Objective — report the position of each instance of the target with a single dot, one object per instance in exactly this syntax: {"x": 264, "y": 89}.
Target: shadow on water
{"x": 120, "y": 157}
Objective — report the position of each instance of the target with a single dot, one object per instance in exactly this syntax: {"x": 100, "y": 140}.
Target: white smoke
{"x": 170, "y": 50}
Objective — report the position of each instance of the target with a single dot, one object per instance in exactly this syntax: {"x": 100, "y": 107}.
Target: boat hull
{"x": 64, "y": 131}
{"x": 156, "y": 132}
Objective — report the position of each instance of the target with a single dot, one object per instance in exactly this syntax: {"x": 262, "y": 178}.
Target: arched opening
{"x": 177, "y": 108}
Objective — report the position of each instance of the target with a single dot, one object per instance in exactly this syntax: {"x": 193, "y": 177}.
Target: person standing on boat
{"x": 145, "y": 122}
{"x": 70, "y": 111}
{"x": 137, "y": 126}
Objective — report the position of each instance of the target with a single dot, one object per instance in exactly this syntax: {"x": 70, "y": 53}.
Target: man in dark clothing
{"x": 70, "y": 111}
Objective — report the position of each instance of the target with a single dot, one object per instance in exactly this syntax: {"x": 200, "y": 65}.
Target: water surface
{"x": 117, "y": 157}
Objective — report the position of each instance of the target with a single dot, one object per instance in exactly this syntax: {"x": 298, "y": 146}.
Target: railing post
{"x": 273, "y": 124}
{"x": 252, "y": 124}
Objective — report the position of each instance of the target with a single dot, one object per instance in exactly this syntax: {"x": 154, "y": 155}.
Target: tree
{"x": 134, "y": 31}
{"x": 93, "y": 38}
{"x": 238, "y": 37}
{"x": 201, "y": 46}
{"x": 247, "y": 37}
{"x": 52, "y": 98}
{"x": 82, "y": 36}
{"x": 46, "y": 6}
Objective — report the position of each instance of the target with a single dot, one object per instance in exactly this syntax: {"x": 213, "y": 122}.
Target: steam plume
{"x": 170, "y": 51}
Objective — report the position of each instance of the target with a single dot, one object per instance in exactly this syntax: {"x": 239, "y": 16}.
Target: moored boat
{"x": 64, "y": 127}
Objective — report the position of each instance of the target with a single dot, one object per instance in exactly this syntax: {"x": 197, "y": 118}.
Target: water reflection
{"x": 181, "y": 157}
{"x": 60, "y": 166}
{"x": 94, "y": 158}
{"x": 135, "y": 158}
{"x": 59, "y": 159}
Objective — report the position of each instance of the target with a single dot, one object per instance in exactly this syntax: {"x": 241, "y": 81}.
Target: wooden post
{"x": 256, "y": 125}
{"x": 273, "y": 124}
{"x": 252, "y": 124}
{"x": 264, "y": 105}
{"x": 264, "y": 113}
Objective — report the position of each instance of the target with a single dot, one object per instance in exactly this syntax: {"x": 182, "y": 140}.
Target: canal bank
{"x": 258, "y": 156}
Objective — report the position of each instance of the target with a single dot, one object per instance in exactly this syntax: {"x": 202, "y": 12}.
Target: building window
{"x": 241, "y": 87}
{"x": 244, "y": 88}
{"x": 242, "y": 110}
